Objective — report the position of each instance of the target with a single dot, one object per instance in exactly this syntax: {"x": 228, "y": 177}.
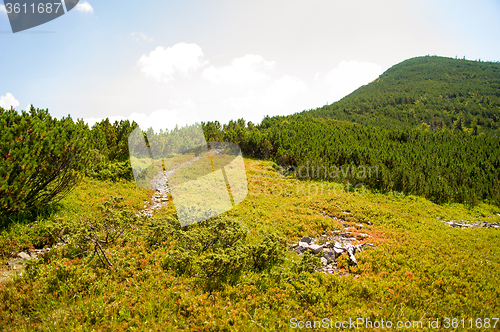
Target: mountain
{"x": 425, "y": 91}
{"x": 428, "y": 125}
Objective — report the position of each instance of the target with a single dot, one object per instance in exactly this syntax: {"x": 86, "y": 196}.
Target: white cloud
{"x": 286, "y": 94}
{"x": 8, "y": 101}
{"x": 2, "y": 9}
{"x": 84, "y": 7}
{"x": 247, "y": 86}
{"x": 163, "y": 63}
{"x": 241, "y": 70}
{"x": 183, "y": 103}
{"x": 139, "y": 35}
{"x": 349, "y": 76}
{"x": 283, "y": 96}
{"x": 160, "y": 119}
{"x": 286, "y": 87}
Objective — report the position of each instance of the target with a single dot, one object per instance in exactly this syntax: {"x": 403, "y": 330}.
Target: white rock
{"x": 324, "y": 261}
{"x": 24, "y": 255}
{"x": 351, "y": 250}
{"x": 338, "y": 251}
{"x": 304, "y": 244}
{"x": 315, "y": 248}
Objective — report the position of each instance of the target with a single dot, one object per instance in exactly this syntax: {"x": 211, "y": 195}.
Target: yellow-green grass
{"x": 420, "y": 269}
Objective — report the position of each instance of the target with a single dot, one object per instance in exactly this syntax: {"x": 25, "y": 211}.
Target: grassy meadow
{"x": 235, "y": 272}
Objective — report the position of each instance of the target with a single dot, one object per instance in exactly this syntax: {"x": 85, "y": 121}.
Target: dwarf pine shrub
{"x": 214, "y": 250}
{"x": 42, "y": 158}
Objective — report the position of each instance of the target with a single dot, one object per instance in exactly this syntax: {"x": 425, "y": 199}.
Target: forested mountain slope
{"x": 429, "y": 125}
{"x": 437, "y": 91}
{"x": 443, "y": 166}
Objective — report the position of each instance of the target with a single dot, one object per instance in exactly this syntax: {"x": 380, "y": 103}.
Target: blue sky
{"x": 164, "y": 63}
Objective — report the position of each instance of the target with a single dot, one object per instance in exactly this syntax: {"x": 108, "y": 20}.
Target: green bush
{"x": 213, "y": 250}
{"x": 109, "y": 170}
{"x": 308, "y": 263}
{"x": 42, "y": 158}
{"x": 267, "y": 253}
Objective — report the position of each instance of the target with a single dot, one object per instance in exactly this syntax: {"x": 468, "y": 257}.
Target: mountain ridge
{"x": 436, "y": 91}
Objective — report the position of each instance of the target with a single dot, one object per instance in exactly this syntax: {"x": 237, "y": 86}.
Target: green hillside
{"x": 458, "y": 94}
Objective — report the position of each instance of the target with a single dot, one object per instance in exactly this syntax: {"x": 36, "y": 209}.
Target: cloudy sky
{"x": 163, "y": 63}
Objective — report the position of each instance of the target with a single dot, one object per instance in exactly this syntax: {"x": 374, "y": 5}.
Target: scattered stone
{"x": 350, "y": 251}
{"x": 306, "y": 239}
{"x": 341, "y": 245}
{"x": 14, "y": 263}
{"x": 335, "y": 218}
{"x": 315, "y": 248}
{"x": 324, "y": 261}
{"x": 347, "y": 239}
{"x": 303, "y": 244}
{"x": 469, "y": 224}
{"x": 299, "y": 250}
{"x": 24, "y": 255}
{"x": 338, "y": 251}
{"x": 329, "y": 255}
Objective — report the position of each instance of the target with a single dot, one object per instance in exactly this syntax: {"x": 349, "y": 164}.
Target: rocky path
{"x": 159, "y": 198}
{"x": 160, "y": 184}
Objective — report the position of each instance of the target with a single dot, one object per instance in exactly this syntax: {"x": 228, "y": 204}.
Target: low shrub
{"x": 111, "y": 170}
